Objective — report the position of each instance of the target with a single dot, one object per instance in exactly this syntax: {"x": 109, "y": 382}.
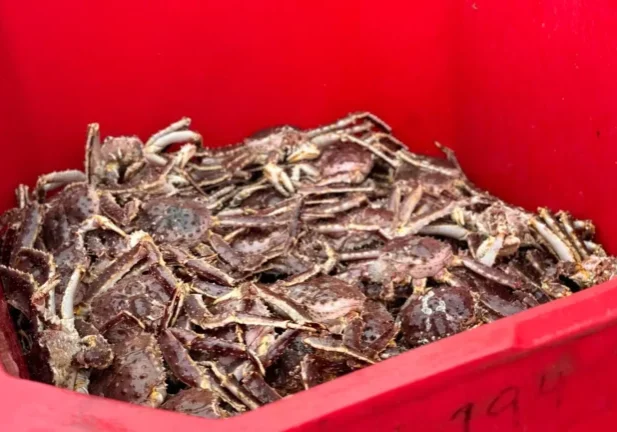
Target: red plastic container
{"x": 524, "y": 91}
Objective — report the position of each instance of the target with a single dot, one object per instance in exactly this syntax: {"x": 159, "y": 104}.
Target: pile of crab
{"x": 214, "y": 281}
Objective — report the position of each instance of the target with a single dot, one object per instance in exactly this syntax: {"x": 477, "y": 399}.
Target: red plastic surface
{"x": 524, "y": 91}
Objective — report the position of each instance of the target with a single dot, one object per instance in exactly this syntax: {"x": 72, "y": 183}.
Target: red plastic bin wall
{"x": 524, "y": 91}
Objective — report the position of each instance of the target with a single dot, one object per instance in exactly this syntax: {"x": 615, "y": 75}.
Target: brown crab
{"x": 118, "y": 159}
{"x": 59, "y": 351}
{"x": 136, "y": 375}
{"x": 342, "y": 162}
{"x": 270, "y": 147}
{"x": 400, "y": 262}
{"x": 440, "y": 312}
{"x": 501, "y": 231}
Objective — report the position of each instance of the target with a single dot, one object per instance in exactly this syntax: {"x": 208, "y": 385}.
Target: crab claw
{"x": 279, "y": 179}
{"x": 304, "y": 151}
{"x": 179, "y": 361}
{"x": 489, "y": 249}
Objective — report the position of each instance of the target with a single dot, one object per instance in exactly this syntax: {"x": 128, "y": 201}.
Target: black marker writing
{"x": 465, "y": 412}
{"x": 552, "y": 382}
{"x": 506, "y": 400}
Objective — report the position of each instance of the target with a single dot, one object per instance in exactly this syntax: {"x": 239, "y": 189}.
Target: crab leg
{"x": 353, "y": 201}
{"x": 531, "y": 256}
{"x": 97, "y": 222}
{"x": 22, "y": 195}
{"x": 248, "y": 221}
{"x": 18, "y": 287}
{"x": 215, "y": 386}
{"x": 229, "y": 238}
{"x": 409, "y": 204}
{"x": 566, "y": 223}
{"x": 196, "y": 309}
{"x": 393, "y": 162}
{"x": 420, "y": 221}
{"x": 317, "y": 202}
{"x": 277, "y": 176}
{"x": 28, "y": 231}
{"x": 283, "y": 304}
{"x": 115, "y": 271}
{"x": 208, "y": 271}
{"x": 93, "y": 151}
{"x": 450, "y": 155}
{"x": 219, "y": 347}
{"x": 203, "y": 166}
{"x": 248, "y": 319}
{"x": 312, "y": 190}
{"x": 347, "y": 121}
{"x": 342, "y": 228}
{"x": 209, "y": 181}
{"x": 181, "y": 124}
{"x": 247, "y": 191}
{"x": 230, "y": 383}
{"x": 420, "y": 162}
{"x": 123, "y": 316}
{"x": 218, "y": 198}
{"x": 82, "y": 381}
{"x": 67, "y": 307}
{"x": 225, "y": 251}
{"x": 184, "y": 156}
{"x": 595, "y": 248}
{"x": 179, "y": 361}
{"x": 359, "y": 255}
{"x": 490, "y": 273}
{"x": 303, "y": 168}
{"x": 303, "y": 277}
{"x": 375, "y": 139}
{"x": 587, "y": 227}
{"x": 258, "y": 387}
{"x": 327, "y": 344}
{"x": 552, "y": 224}
{"x": 276, "y": 349}
{"x": 394, "y": 201}
{"x": 159, "y": 144}
{"x": 48, "y": 182}
{"x": 455, "y": 232}
{"x": 557, "y": 246}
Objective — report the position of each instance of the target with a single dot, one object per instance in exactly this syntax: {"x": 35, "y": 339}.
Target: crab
{"x": 400, "y": 262}
{"x": 239, "y": 364}
{"x": 252, "y": 251}
{"x": 440, "y": 312}
{"x": 186, "y": 222}
{"x": 397, "y": 221}
{"x": 497, "y": 300}
{"x": 578, "y": 263}
{"x": 371, "y": 332}
{"x": 207, "y": 375}
{"x": 322, "y": 299}
{"x": 270, "y": 147}
{"x": 136, "y": 375}
{"x": 118, "y": 160}
{"x": 215, "y": 281}
{"x": 59, "y": 350}
{"x": 501, "y": 230}
{"x": 144, "y": 296}
{"x": 342, "y": 162}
